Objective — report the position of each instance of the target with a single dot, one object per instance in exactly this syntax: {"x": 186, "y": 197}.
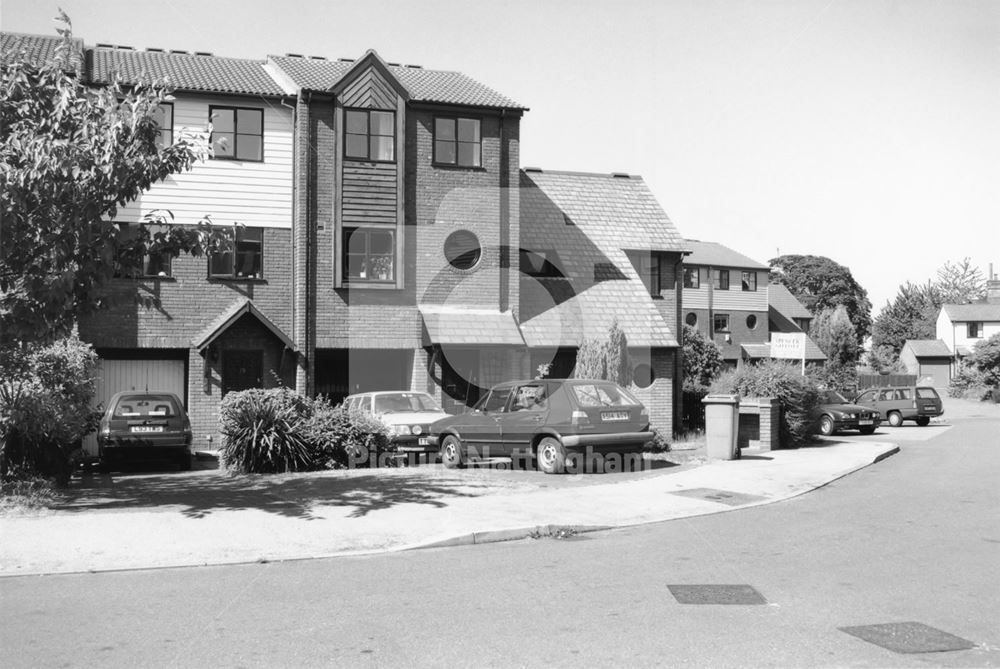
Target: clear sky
{"x": 867, "y": 131}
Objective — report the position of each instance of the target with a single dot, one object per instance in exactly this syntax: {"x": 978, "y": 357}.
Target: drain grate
{"x": 727, "y": 497}
{"x": 743, "y": 595}
{"x": 909, "y": 637}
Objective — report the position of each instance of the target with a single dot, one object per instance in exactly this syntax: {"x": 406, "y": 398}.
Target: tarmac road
{"x": 915, "y": 538}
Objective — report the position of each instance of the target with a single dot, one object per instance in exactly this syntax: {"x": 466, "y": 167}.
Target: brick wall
{"x": 658, "y": 397}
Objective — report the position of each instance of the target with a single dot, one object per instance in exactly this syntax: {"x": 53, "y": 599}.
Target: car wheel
{"x": 826, "y": 426}
{"x": 895, "y": 418}
{"x": 924, "y": 421}
{"x": 451, "y": 452}
{"x": 866, "y": 430}
{"x": 551, "y": 456}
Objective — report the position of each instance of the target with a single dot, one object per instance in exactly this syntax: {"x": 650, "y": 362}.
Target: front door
{"x": 242, "y": 370}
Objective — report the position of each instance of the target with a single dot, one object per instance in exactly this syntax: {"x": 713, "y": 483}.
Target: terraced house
{"x": 388, "y": 238}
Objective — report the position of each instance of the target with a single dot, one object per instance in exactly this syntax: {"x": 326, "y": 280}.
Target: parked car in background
{"x": 408, "y": 414}
{"x": 837, "y": 413}
{"x": 549, "y": 419}
{"x": 144, "y": 426}
{"x": 896, "y": 404}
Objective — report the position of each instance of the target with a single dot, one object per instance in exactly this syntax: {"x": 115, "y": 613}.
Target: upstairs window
{"x": 720, "y": 279}
{"x": 370, "y": 135}
{"x": 369, "y": 255}
{"x": 164, "y": 117}
{"x": 749, "y": 281}
{"x": 692, "y": 279}
{"x": 245, "y": 261}
{"x": 458, "y": 141}
{"x": 237, "y": 133}
{"x": 974, "y": 329}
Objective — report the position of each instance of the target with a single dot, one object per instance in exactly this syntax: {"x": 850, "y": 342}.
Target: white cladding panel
{"x": 252, "y": 193}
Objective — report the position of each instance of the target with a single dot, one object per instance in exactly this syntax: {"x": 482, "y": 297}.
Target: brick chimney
{"x": 993, "y": 288}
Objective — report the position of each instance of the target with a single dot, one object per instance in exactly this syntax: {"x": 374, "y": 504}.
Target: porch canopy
{"x": 460, "y": 325}
{"x": 227, "y": 318}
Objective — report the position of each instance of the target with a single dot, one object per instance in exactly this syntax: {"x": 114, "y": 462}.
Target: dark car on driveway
{"x": 896, "y": 404}
{"x": 837, "y": 413}
{"x": 143, "y": 426}
{"x": 548, "y": 419}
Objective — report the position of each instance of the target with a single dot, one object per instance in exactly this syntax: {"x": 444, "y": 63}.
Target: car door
{"x": 481, "y": 428}
{"x": 867, "y": 399}
{"x": 527, "y": 412}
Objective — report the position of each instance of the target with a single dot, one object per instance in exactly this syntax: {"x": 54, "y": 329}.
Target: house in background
{"x": 928, "y": 359}
{"x": 785, "y": 315}
{"x": 962, "y": 326}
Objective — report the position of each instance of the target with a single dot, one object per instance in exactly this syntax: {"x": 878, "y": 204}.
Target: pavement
{"x": 208, "y": 517}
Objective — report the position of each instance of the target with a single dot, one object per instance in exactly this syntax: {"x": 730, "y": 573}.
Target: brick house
{"x": 388, "y": 239}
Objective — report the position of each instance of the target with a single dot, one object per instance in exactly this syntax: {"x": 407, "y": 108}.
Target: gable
{"x": 370, "y": 90}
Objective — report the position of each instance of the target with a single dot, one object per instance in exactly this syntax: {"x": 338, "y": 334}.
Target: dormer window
{"x": 370, "y": 135}
{"x": 458, "y": 141}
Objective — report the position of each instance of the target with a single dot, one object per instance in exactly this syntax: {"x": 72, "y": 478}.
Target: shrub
{"x": 969, "y": 383}
{"x": 659, "y": 444}
{"x": 343, "y": 437}
{"x": 798, "y": 395}
{"x": 263, "y": 432}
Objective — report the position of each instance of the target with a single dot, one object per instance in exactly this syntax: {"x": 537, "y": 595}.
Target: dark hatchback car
{"x": 548, "y": 419}
{"x": 144, "y": 426}
{"x": 837, "y": 413}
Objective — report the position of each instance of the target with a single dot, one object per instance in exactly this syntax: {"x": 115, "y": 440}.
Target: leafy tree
{"x": 605, "y": 359}
{"x": 820, "y": 284}
{"x": 702, "y": 360}
{"x": 986, "y": 358}
{"x": 960, "y": 283}
{"x": 71, "y": 155}
{"x": 834, "y": 333}
{"x": 911, "y": 315}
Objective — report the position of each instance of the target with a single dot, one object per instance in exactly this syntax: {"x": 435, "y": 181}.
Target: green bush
{"x": 969, "y": 383}
{"x": 798, "y": 395}
{"x": 343, "y": 437}
{"x": 263, "y": 432}
{"x": 45, "y": 396}
{"x": 278, "y": 430}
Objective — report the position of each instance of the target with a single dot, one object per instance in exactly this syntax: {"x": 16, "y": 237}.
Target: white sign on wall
{"x": 788, "y": 345}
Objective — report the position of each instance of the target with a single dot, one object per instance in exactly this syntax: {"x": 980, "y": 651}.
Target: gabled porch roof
{"x": 227, "y": 318}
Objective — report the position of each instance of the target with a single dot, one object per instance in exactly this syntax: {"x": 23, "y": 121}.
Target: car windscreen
{"x": 602, "y": 395}
{"x": 397, "y": 402}
{"x": 927, "y": 394}
{"x": 145, "y": 406}
{"x": 833, "y": 397}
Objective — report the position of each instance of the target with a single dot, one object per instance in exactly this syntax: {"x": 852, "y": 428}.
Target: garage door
{"x": 116, "y": 375}
{"x": 940, "y": 372}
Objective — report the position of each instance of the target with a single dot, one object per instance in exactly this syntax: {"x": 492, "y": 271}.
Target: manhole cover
{"x": 717, "y": 594}
{"x": 727, "y": 497}
{"x": 909, "y": 637}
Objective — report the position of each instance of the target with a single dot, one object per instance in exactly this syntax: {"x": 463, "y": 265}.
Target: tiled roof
{"x": 928, "y": 348}
{"x": 781, "y": 299}
{"x": 184, "y": 71}
{"x": 422, "y": 85}
{"x": 38, "y": 49}
{"x": 972, "y": 312}
{"x": 227, "y": 318}
{"x": 591, "y": 220}
{"x": 456, "y": 325}
{"x": 716, "y": 255}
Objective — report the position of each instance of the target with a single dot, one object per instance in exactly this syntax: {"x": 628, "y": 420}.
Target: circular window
{"x": 691, "y": 319}
{"x": 462, "y": 249}
{"x": 752, "y": 322}
{"x": 643, "y": 375}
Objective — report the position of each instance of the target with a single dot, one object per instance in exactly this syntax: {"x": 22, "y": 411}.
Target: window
{"x": 691, "y": 277}
{"x": 164, "y": 117}
{"x": 749, "y": 281}
{"x": 496, "y": 400}
{"x": 457, "y": 141}
{"x": 802, "y": 323}
{"x": 130, "y": 264}
{"x": 720, "y": 279}
{"x": 530, "y": 398}
{"x": 369, "y": 255}
{"x": 245, "y": 261}
{"x": 462, "y": 249}
{"x": 868, "y": 396}
{"x": 370, "y": 135}
{"x": 543, "y": 263}
{"x": 752, "y": 322}
{"x": 721, "y": 322}
{"x": 237, "y": 133}
{"x": 691, "y": 319}
{"x": 643, "y": 375}
{"x": 975, "y": 329}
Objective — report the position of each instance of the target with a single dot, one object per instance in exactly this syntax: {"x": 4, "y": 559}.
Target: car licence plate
{"x": 147, "y": 428}
{"x": 866, "y": 422}
{"x": 614, "y": 416}
{"x": 423, "y": 441}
